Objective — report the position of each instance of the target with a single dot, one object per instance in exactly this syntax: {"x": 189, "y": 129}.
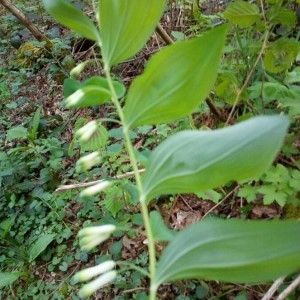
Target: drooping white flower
{"x": 87, "y": 131}
{"x": 88, "y": 161}
{"x": 89, "y": 288}
{"x": 91, "y": 272}
{"x": 90, "y": 237}
{"x": 94, "y": 189}
{"x": 95, "y": 230}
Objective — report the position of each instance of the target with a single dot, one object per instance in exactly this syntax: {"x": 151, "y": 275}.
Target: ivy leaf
{"x": 126, "y": 26}
{"x": 231, "y": 250}
{"x": 176, "y": 80}
{"x": 242, "y": 13}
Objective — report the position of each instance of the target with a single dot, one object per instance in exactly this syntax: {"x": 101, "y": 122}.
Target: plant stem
{"x": 142, "y": 200}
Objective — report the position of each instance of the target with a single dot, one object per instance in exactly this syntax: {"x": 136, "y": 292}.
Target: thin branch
{"x": 220, "y": 202}
{"x": 272, "y": 290}
{"x": 164, "y": 35}
{"x": 26, "y": 22}
{"x": 63, "y": 188}
{"x": 241, "y": 90}
{"x": 289, "y": 289}
{"x": 261, "y": 52}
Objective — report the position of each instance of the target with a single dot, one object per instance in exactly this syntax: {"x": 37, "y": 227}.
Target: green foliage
{"x": 7, "y": 278}
{"x": 232, "y": 250}
{"x": 191, "y": 161}
{"x": 242, "y": 13}
{"x": 74, "y": 19}
{"x": 255, "y": 75}
{"x": 94, "y": 91}
{"x": 164, "y": 96}
{"x": 40, "y": 245}
{"x": 279, "y": 184}
{"x": 175, "y": 81}
{"x": 117, "y": 39}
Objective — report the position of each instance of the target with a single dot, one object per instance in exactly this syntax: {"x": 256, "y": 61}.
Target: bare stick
{"x": 247, "y": 80}
{"x": 91, "y": 183}
{"x": 164, "y": 35}
{"x": 26, "y": 22}
{"x": 277, "y": 283}
{"x": 289, "y": 289}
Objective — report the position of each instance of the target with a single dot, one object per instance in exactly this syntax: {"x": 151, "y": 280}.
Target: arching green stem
{"x": 142, "y": 196}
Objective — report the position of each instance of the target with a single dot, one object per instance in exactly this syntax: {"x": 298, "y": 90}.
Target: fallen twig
{"x": 272, "y": 290}
{"x": 91, "y": 183}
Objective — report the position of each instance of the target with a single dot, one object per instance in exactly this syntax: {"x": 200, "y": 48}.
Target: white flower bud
{"x": 97, "y": 230}
{"x": 96, "y": 284}
{"x": 87, "y": 131}
{"x": 74, "y": 99}
{"x": 78, "y": 69}
{"x": 89, "y": 242}
{"x": 88, "y": 161}
{"x": 92, "y": 236}
{"x": 89, "y": 273}
{"x": 94, "y": 189}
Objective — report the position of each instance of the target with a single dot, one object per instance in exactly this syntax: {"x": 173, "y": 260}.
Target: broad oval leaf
{"x": 126, "y": 26}
{"x": 40, "y": 245}
{"x": 94, "y": 91}
{"x": 71, "y": 17}
{"x": 242, "y": 13}
{"x": 7, "y": 278}
{"x": 195, "y": 161}
{"x": 232, "y": 250}
{"x": 175, "y": 80}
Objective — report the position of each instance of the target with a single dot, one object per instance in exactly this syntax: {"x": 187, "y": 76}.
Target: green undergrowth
{"x": 40, "y": 144}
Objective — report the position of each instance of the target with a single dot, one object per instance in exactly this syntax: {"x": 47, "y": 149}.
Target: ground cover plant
{"x": 167, "y": 96}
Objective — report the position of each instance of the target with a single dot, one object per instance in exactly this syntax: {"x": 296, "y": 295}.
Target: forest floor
{"x": 31, "y": 80}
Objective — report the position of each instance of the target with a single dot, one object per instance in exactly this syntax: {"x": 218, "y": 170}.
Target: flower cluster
{"x": 88, "y": 238}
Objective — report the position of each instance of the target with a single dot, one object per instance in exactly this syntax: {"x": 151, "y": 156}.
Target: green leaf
{"x": 249, "y": 192}
{"x": 35, "y": 123}
{"x": 242, "y": 13}
{"x": 195, "y": 161}
{"x": 71, "y": 86}
{"x": 17, "y": 132}
{"x": 71, "y": 17}
{"x": 232, "y": 250}
{"x": 114, "y": 200}
{"x": 175, "y": 80}
{"x": 126, "y": 26}
{"x": 96, "y": 141}
{"x": 159, "y": 230}
{"x": 40, "y": 245}
{"x": 7, "y": 278}
{"x": 281, "y": 15}
{"x": 210, "y": 195}
{"x": 94, "y": 91}
{"x": 280, "y": 55}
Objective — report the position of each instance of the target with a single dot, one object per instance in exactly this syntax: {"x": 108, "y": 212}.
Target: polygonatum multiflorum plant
{"x": 175, "y": 81}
